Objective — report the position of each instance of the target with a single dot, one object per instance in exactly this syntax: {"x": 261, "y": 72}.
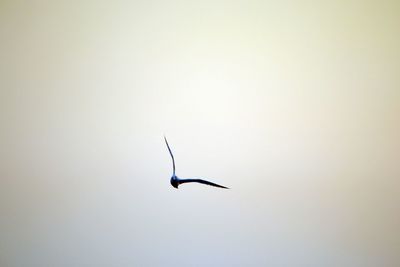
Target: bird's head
{"x": 174, "y": 182}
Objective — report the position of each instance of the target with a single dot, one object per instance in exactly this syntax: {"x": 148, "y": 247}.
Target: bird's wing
{"x": 172, "y": 156}
{"x": 201, "y": 181}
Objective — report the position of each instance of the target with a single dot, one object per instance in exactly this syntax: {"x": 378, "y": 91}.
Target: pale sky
{"x": 294, "y": 105}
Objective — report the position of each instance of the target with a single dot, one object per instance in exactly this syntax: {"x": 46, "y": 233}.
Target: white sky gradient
{"x": 295, "y": 105}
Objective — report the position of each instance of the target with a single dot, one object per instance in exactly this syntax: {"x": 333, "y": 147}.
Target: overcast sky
{"x": 294, "y": 105}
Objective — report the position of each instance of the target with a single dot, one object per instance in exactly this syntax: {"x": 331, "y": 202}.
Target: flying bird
{"x": 175, "y": 181}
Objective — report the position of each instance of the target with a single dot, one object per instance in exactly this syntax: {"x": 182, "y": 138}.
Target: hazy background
{"x": 295, "y": 105}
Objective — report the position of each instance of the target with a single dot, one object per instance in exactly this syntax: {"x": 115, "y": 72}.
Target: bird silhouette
{"x": 175, "y": 181}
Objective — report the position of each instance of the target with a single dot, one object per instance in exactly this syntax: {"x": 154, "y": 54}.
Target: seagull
{"x": 175, "y": 181}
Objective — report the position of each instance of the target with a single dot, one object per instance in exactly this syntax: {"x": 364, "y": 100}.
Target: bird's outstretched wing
{"x": 201, "y": 181}
{"x": 172, "y": 156}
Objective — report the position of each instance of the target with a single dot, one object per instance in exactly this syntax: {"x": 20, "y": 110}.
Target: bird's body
{"x": 175, "y": 181}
